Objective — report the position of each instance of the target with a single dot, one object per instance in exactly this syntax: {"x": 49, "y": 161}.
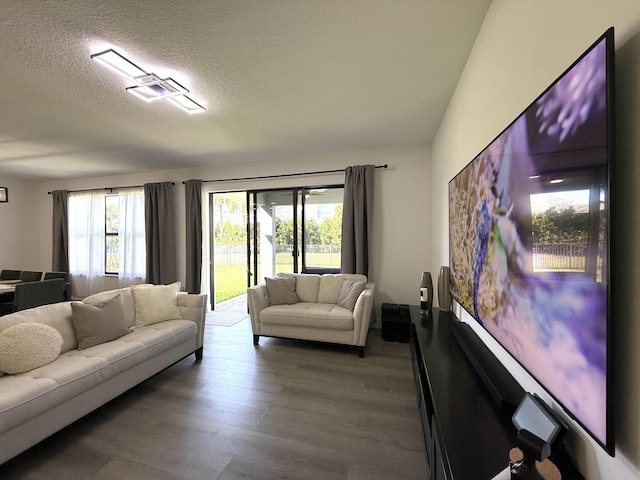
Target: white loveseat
{"x": 333, "y": 308}
{"x": 38, "y": 402}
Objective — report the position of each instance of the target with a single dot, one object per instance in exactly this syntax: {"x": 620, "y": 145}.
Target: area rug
{"x": 224, "y": 319}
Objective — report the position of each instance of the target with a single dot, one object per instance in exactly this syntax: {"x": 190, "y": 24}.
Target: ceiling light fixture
{"x": 150, "y": 86}
{"x": 116, "y": 62}
{"x": 187, "y": 104}
{"x": 154, "y": 88}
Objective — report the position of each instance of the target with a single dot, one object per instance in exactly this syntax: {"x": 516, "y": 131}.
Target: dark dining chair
{"x": 35, "y": 294}
{"x": 67, "y": 281}
{"x": 10, "y": 274}
{"x": 30, "y": 276}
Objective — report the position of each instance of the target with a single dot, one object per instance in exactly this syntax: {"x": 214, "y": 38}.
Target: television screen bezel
{"x": 608, "y": 37}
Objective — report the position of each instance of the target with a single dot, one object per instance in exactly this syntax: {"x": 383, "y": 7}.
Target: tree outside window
{"x": 111, "y": 239}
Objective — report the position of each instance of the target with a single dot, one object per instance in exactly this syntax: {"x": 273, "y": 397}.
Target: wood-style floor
{"x": 285, "y": 410}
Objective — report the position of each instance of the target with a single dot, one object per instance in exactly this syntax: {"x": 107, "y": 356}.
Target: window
{"x": 111, "y": 234}
{"x": 106, "y": 236}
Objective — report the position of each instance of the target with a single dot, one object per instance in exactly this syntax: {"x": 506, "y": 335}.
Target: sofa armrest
{"x": 362, "y": 314}
{"x": 258, "y": 296}
{"x": 194, "y": 307}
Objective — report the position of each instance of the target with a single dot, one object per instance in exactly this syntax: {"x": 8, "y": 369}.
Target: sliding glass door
{"x": 228, "y": 270}
{"x": 294, "y": 230}
{"x": 273, "y": 228}
{"x": 259, "y": 233}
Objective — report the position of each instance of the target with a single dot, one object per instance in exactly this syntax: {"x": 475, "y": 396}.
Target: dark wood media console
{"x": 466, "y": 423}
{"x": 466, "y": 434}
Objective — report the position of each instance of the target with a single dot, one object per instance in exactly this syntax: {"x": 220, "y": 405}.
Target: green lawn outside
{"x": 231, "y": 281}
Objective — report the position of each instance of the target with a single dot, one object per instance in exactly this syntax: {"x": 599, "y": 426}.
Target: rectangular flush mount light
{"x": 187, "y": 104}
{"x": 149, "y": 86}
{"x": 116, "y": 62}
{"x": 154, "y": 88}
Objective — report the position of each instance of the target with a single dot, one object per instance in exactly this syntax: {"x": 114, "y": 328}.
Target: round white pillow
{"x": 26, "y": 346}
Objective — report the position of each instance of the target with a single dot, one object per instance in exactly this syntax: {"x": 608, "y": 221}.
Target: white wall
{"x": 401, "y": 202}
{"x": 521, "y": 48}
{"x": 19, "y": 232}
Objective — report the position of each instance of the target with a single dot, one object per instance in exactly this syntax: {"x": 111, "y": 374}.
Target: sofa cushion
{"x": 282, "y": 290}
{"x": 317, "y": 315}
{"x": 329, "y": 290}
{"x": 26, "y": 346}
{"x": 307, "y": 286}
{"x": 349, "y": 293}
{"x": 99, "y": 323}
{"x": 56, "y": 315}
{"x": 155, "y": 303}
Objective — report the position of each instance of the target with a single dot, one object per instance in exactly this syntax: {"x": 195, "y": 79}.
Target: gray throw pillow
{"x": 282, "y": 290}
{"x": 95, "y": 324}
{"x": 349, "y": 293}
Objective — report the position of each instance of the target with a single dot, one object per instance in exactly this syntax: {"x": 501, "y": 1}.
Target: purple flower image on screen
{"x": 568, "y": 105}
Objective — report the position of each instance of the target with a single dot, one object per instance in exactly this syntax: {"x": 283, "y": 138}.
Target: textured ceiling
{"x": 278, "y": 78}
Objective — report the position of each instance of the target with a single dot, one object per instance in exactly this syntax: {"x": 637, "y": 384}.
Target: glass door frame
{"x": 298, "y": 195}
{"x": 212, "y": 211}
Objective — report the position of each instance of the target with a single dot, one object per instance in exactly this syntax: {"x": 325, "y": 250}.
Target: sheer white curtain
{"x": 131, "y": 239}
{"x": 86, "y": 242}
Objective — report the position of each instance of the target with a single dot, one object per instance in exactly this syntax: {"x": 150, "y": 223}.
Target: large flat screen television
{"x": 529, "y": 235}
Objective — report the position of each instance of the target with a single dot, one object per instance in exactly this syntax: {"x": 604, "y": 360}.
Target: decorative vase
{"x": 426, "y": 291}
{"x": 444, "y": 293}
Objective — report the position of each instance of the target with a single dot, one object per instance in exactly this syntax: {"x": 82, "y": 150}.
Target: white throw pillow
{"x": 156, "y": 303}
{"x": 26, "y": 346}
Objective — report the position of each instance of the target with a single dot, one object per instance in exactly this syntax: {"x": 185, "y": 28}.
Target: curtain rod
{"x": 283, "y": 175}
{"x": 111, "y": 189}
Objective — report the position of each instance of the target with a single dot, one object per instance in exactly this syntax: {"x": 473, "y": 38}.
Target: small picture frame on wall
{"x": 4, "y": 194}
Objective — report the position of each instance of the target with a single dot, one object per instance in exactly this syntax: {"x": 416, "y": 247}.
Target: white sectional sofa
{"x": 154, "y": 330}
{"x": 333, "y": 308}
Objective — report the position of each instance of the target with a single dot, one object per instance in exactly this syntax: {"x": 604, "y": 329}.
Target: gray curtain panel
{"x": 160, "y": 232}
{"x": 193, "y": 207}
{"x": 60, "y": 258}
{"x": 357, "y": 219}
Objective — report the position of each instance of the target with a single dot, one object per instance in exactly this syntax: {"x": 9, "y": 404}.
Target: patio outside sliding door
{"x": 294, "y": 230}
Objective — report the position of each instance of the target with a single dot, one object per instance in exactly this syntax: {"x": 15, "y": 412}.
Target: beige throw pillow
{"x": 282, "y": 290}
{"x": 100, "y": 323}
{"x": 156, "y": 303}
{"x": 349, "y": 293}
{"x": 26, "y": 346}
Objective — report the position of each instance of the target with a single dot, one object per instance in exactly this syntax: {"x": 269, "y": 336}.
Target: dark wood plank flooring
{"x": 286, "y": 410}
